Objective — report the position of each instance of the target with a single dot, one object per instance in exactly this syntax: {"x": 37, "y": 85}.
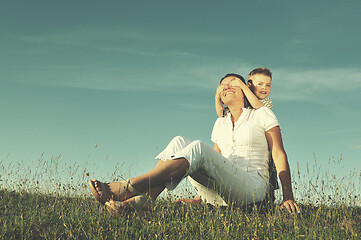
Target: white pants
{"x": 217, "y": 180}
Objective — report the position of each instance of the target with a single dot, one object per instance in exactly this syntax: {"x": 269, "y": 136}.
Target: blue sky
{"x": 107, "y": 82}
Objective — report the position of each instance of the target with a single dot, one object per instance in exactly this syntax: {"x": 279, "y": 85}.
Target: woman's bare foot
{"x": 139, "y": 203}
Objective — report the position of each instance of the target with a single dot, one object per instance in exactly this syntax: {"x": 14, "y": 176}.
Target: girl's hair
{"x": 264, "y": 71}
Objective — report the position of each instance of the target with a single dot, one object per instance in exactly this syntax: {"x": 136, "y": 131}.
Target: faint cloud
{"x": 288, "y": 84}
{"x": 355, "y": 146}
{"x": 134, "y": 41}
{"x": 196, "y": 76}
{"x": 198, "y": 71}
{"x": 303, "y": 84}
{"x": 195, "y": 106}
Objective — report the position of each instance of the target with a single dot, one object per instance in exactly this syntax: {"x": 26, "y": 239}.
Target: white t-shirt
{"x": 246, "y": 144}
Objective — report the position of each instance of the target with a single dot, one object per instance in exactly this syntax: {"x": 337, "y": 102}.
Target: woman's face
{"x": 231, "y": 90}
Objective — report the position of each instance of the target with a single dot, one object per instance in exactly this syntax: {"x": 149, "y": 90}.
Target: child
{"x": 259, "y": 81}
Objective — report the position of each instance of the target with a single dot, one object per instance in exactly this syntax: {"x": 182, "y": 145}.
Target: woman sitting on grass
{"x": 236, "y": 169}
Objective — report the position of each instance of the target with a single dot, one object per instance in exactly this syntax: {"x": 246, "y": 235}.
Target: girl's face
{"x": 260, "y": 86}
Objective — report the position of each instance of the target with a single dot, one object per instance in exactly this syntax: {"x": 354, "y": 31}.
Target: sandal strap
{"x": 127, "y": 188}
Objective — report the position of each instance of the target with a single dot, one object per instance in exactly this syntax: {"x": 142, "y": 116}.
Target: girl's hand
{"x": 291, "y": 206}
{"x": 236, "y": 82}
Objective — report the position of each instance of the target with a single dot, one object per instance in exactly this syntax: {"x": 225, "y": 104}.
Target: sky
{"x": 106, "y": 83}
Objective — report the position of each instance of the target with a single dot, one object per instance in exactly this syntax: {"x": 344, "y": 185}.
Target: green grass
{"x": 36, "y": 215}
{"x": 51, "y": 202}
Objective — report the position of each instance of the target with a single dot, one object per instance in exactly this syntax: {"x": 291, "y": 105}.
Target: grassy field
{"x": 29, "y": 210}
{"x": 35, "y": 216}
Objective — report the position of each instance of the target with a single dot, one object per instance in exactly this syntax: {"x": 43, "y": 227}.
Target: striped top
{"x": 267, "y": 102}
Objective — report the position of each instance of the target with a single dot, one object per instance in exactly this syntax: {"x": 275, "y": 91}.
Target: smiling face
{"x": 260, "y": 85}
{"x": 231, "y": 91}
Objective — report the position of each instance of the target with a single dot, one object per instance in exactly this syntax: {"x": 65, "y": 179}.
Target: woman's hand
{"x": 291, "y": 206}
{"x": 220, "y": 89}
{"x": 218, "y": 101}
{"x": 195, "y": 200}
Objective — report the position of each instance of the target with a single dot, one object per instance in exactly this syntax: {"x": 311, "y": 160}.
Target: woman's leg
{"x": 226, "y": 177}
{"x": 113, "y": 190}
{"x": 142, "y": 202}
{"x": 166, "y": 170}
{"x": 145, "y": 202}
{"x": 179, "y": 151}
{"x": 151, "y": 184}
{"x": 154, "y": 192}
{"x": 170, "y": 170}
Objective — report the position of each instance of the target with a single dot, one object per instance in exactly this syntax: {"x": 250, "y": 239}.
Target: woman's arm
{"x": 274, "y": 140}
{"x": 217, "y": 149}
{"x": 218, "y": 103}
{"x": 219, "y": 107}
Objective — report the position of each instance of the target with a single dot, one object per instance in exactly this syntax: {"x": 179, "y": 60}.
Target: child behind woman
{"x": 259, "y": 81}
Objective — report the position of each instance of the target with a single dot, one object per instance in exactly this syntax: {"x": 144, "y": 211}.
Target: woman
{"x": 236, "y": 170}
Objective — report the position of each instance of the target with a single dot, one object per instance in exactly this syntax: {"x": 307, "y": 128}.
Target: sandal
{"x": 126, "y": 191}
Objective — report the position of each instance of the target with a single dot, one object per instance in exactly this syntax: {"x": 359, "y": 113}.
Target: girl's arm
{"x": 274, "y": 140}
{"x": 253, "y": 100}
